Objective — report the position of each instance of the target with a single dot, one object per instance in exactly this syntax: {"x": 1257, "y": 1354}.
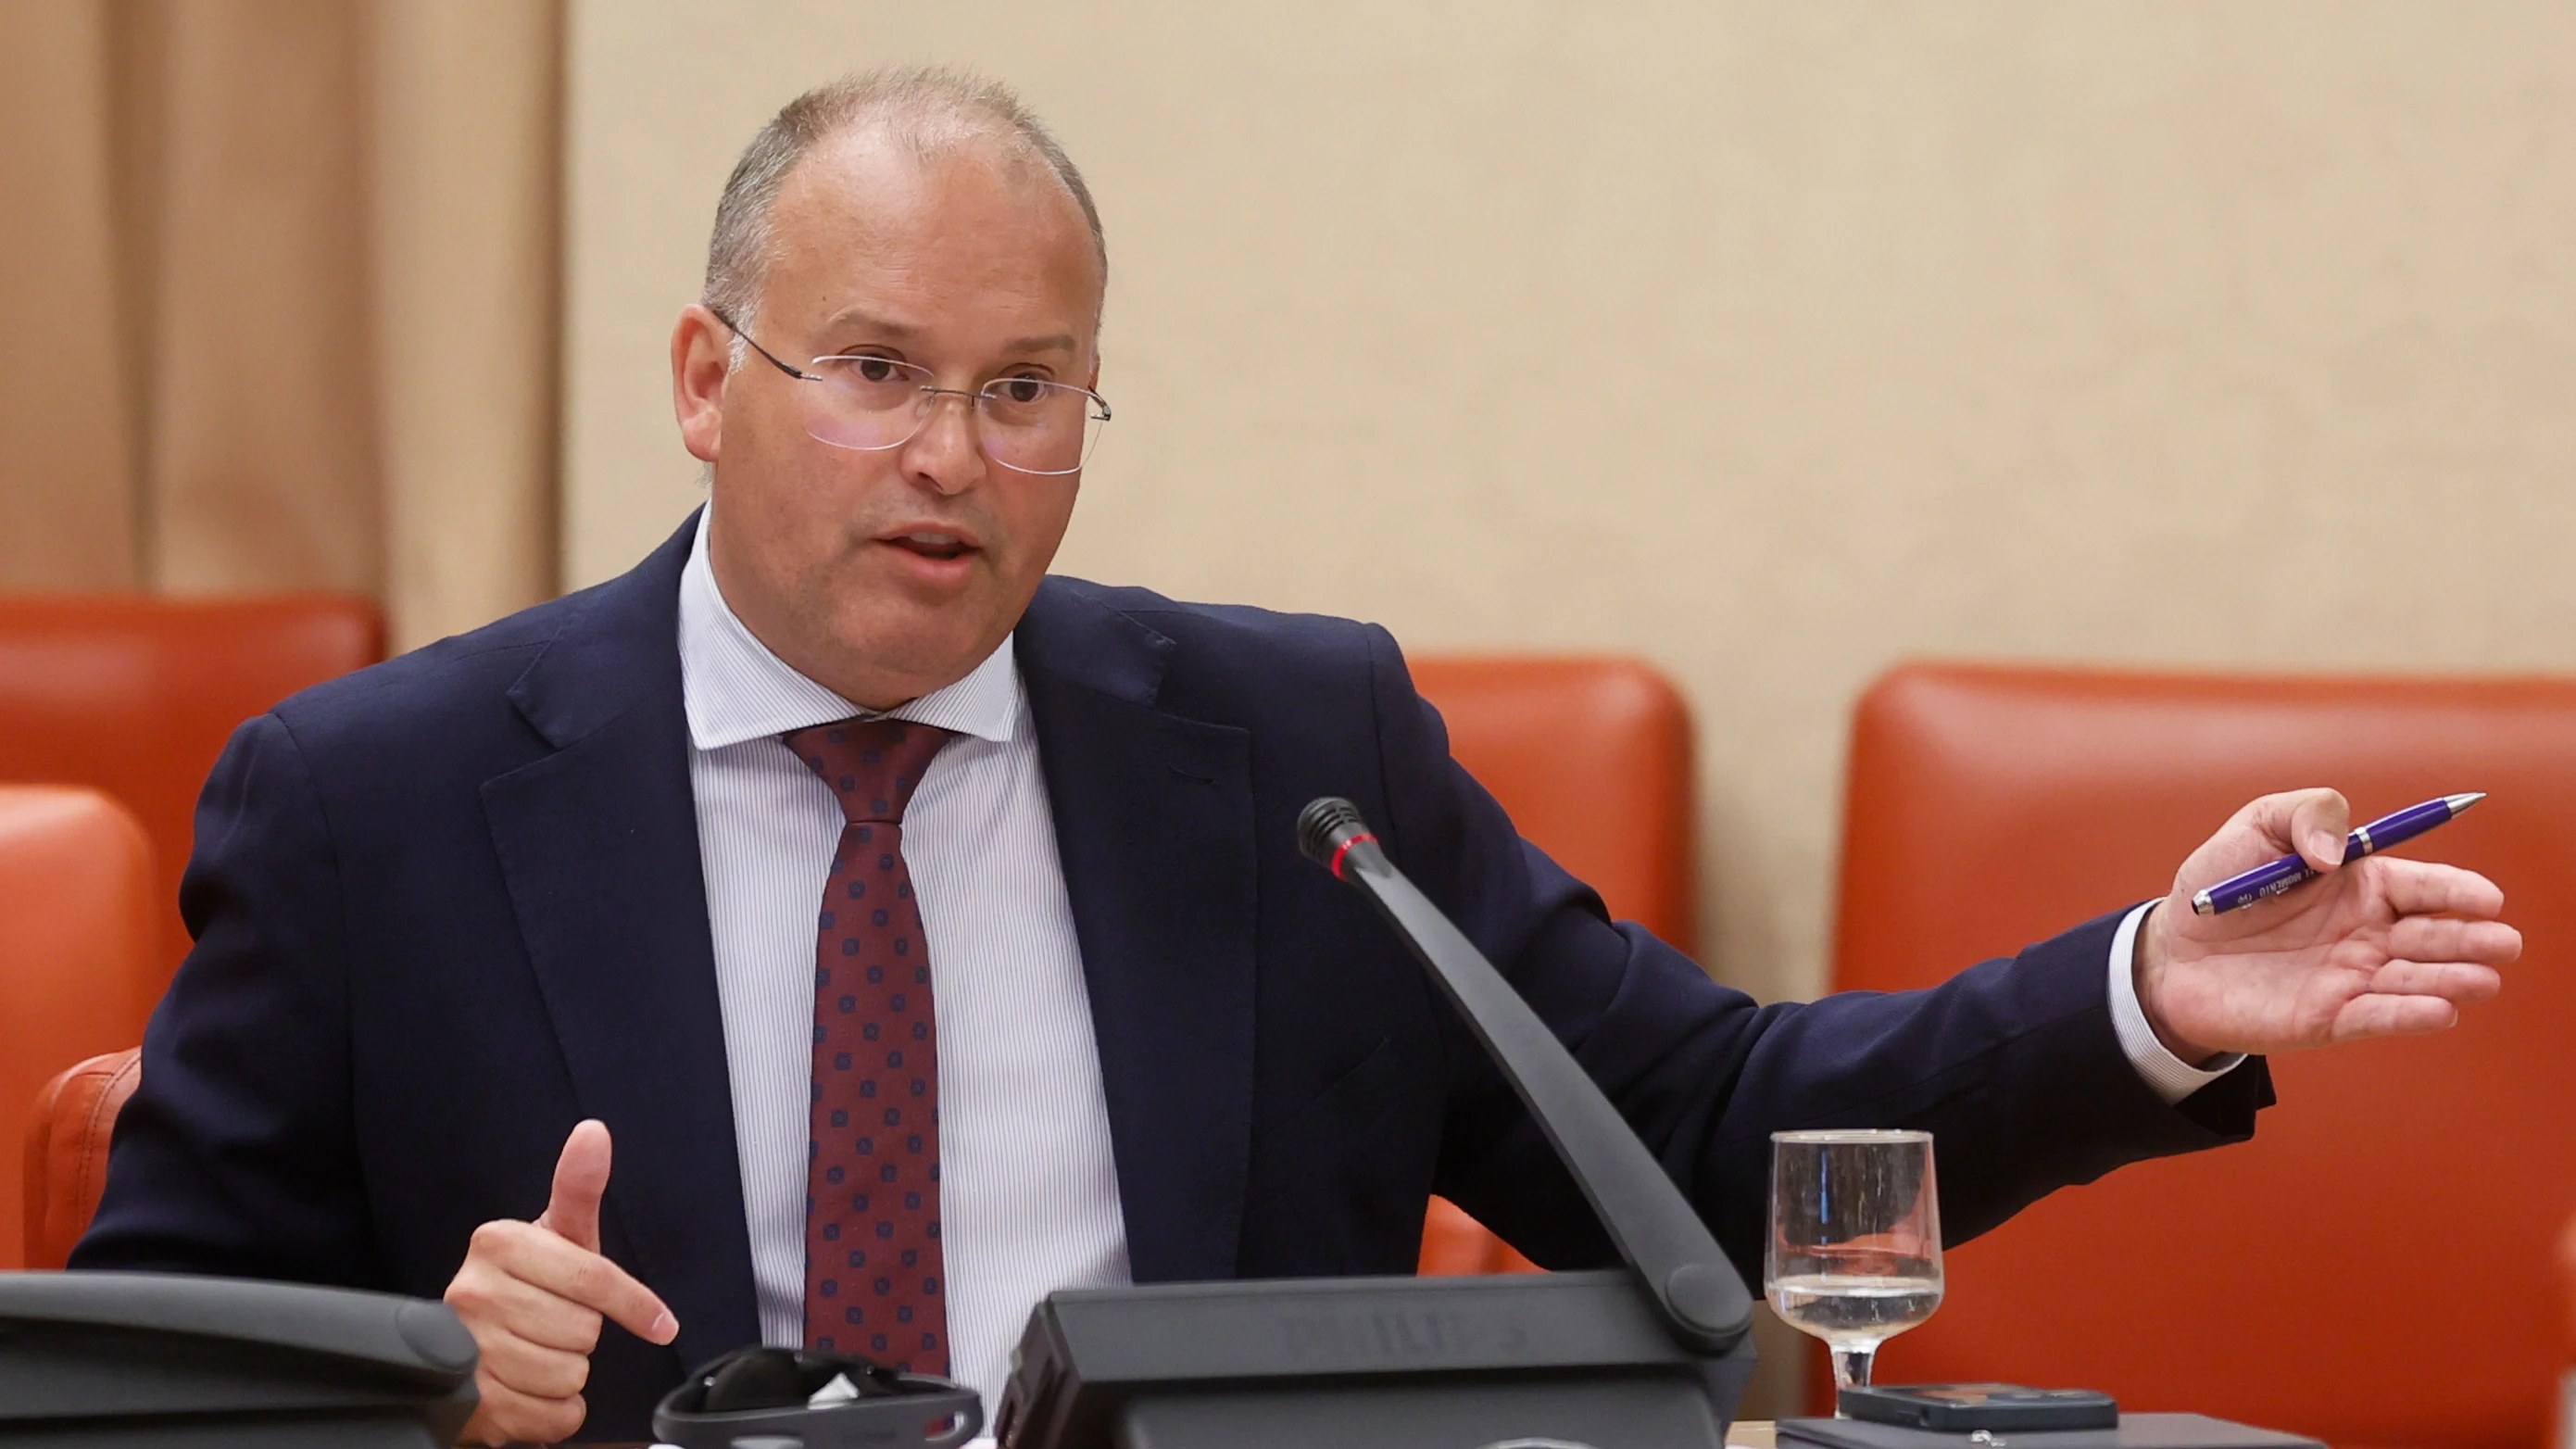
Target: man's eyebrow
{"x": 1060, "y": 342}
{"x": 870, "y": 323}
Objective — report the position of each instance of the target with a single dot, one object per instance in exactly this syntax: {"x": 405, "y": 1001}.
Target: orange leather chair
{"x": 1622, "y": 822}
{"x": 67, "y": 1151}
{"x": 77, "y": 953}
{"x": 2373, "y": 1267}
{"x": 135, "y": 695}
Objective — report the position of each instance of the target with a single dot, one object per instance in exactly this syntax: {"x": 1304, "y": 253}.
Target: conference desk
{"x": 1745, "y": 1434}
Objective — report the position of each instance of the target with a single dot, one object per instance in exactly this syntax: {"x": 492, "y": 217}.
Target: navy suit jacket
{"x": 451, "y": 905}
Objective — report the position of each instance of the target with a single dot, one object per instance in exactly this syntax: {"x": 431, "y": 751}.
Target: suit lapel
{"x": 599, "y": 843}
{"x": 1153, "y": 819}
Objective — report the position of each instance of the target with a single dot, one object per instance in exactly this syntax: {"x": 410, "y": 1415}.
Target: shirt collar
{"x": 735, "y": 689}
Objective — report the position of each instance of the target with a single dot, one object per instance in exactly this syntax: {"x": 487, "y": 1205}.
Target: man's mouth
{"x": 931, "y": 544}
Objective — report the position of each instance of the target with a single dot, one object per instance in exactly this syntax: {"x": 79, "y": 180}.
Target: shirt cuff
{"x": 2172, "y": 1078}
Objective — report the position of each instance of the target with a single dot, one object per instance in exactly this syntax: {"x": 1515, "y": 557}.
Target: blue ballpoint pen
{"x": 2274, "y": 877}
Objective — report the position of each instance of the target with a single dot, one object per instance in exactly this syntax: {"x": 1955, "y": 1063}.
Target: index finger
{"x": 2424, "y": 888}
{"x": 591, "y": 1280}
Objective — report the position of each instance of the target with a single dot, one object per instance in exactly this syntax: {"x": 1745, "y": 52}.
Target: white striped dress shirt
{"x": 1028, "y": 1190}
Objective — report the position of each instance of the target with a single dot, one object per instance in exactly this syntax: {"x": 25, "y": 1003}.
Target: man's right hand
{"x": 534, "y": 1294}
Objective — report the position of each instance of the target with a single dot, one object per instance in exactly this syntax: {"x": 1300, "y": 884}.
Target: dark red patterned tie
{"x": 872, "y": 1264}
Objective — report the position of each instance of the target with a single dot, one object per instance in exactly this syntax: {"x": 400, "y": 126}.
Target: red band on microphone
{"x": 1344, "y": 849}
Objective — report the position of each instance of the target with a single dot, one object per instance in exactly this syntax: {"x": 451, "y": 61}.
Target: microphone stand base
{"x": 1595, "y": 1412}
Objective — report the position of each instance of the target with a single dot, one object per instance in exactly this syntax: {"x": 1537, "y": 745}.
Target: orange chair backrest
{"x": 2374, "y": 1267}
{"x": 78, "y": 957}
{"x": 67, "y": 1151}
{"x": 1592, "y": 759}
{"x": 135, "y": 695}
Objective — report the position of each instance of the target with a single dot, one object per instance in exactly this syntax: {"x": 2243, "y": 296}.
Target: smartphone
{"x": 1959, "y": 1408}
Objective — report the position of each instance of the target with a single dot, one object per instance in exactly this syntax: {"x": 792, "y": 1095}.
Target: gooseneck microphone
{"x": 1702, "y": 1300}
{"x": 1654, "y": 1351}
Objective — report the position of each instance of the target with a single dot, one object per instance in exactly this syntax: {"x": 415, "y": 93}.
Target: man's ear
{"x": 701, "y": 362}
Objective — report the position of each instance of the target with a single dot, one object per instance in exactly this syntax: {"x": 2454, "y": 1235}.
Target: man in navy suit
{"x": 462, "y": 917}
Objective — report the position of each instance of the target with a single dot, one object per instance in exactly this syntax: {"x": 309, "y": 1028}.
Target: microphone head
{"x": 1328, "y": 823}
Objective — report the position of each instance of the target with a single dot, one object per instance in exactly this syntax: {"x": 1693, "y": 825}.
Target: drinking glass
{"x": 1855, "y": 1248}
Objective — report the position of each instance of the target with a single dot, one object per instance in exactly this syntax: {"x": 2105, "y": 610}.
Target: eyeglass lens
{"x": 1025, "y": 423}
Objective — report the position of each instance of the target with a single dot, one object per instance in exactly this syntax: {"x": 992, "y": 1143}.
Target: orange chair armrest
{"x": 67, "y": 1151}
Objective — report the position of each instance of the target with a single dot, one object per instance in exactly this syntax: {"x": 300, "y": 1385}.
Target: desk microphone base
{"x": 1592, "y": 1411}
{"x": 1568, "y": 1360}
{"x": 157, "y": 1360}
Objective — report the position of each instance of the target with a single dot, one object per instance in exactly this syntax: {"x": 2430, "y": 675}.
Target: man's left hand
{"x": 2378, "y": 947}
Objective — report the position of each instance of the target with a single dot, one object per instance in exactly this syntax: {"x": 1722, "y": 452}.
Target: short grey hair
{"x": 930, "y": 110}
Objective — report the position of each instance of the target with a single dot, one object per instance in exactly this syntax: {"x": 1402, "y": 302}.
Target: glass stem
{"x": 1851, "y": 1366}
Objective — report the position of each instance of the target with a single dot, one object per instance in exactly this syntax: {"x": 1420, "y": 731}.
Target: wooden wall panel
{"x": 467, "y": 94}
{"x": 262, "y": 417}
{"x": 66, "y": 459}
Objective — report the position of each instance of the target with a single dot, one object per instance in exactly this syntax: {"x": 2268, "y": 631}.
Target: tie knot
{"x": 872, "y": 765}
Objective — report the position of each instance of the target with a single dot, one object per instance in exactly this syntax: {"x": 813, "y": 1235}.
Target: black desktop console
{"x": 153, "y": 1361}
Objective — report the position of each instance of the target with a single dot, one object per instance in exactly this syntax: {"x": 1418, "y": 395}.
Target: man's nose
{"x": 945, "y": 454}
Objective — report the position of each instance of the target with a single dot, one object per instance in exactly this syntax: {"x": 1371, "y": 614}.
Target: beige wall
{"x": 1770, "y": 342}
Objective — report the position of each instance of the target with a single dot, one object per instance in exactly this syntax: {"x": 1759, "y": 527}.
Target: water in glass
{"x": 1854, "y": 1255}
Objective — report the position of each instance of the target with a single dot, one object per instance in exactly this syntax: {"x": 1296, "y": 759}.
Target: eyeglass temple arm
{"x": 798, "y": 373}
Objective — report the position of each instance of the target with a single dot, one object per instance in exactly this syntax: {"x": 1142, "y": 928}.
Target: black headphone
{"x": 761, "y": 1398}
